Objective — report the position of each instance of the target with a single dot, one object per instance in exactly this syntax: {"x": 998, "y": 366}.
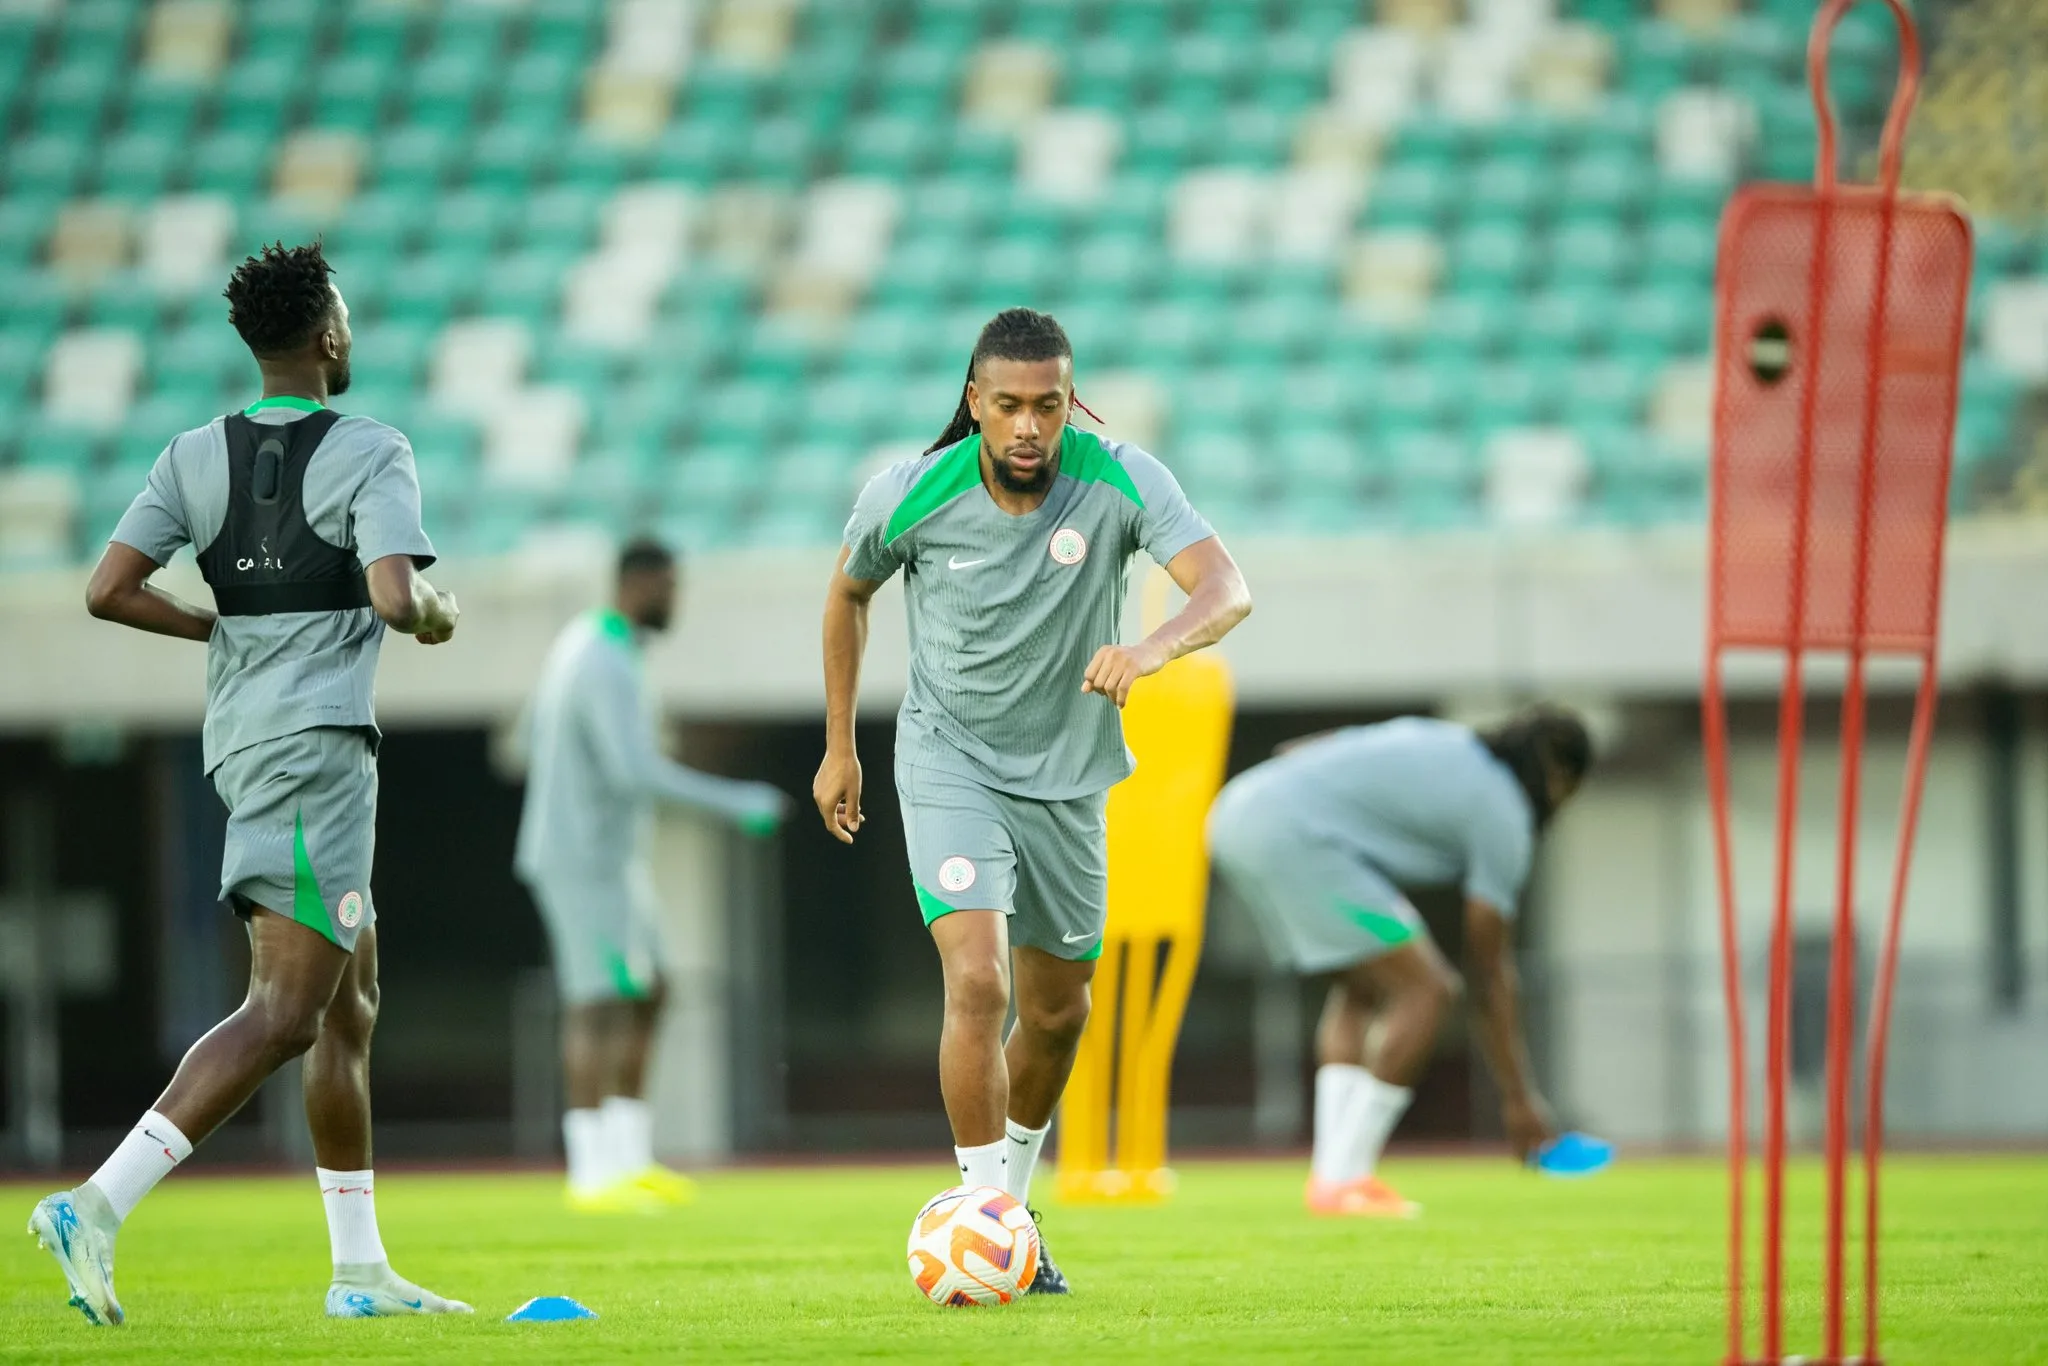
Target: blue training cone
{"x": 549, "y": 1309}
{"x": 1573, "y": 1154}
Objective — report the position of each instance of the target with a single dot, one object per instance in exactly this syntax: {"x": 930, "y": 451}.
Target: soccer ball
{"x": 973, "y": 1245}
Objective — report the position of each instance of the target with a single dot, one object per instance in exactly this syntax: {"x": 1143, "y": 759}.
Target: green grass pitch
{"x": 807, "y": 1265}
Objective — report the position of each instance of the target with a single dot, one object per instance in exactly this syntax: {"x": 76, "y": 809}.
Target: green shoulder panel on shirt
{"x": 1083, "y": 456}
{"x": 612, "y": 625}
{"x": 951, "y": 475}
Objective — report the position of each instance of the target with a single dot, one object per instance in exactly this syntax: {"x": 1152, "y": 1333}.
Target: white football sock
{"x": 1380, "y": 1106}
{"x": 1340, "y": 1096}
{"x": 139, "y": 1161}
{"x": 984, "y": 1166}
{"x": 583, "y": 1140}
{"x": 1023, "y": 1158}
{"x": 351, "y": 1200}
{"x": 629, "y": 1126}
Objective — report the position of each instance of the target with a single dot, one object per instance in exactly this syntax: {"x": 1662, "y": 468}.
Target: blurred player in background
{"x": 1014, "y": 533}
{"x": 595, "y": 772}
{"x": 1319, "y": 840}
{"x": 307, "y": 525}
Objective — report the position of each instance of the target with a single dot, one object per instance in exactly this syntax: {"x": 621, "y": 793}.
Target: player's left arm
{"x": 384, "y": 517}
{"x": 1176, "y": 536}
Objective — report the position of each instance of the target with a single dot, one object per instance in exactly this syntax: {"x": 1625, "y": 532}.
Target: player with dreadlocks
{"x": 307, "y": 527}
{"x": 1014, "y": 532}
{"x": 1320, "y": 841}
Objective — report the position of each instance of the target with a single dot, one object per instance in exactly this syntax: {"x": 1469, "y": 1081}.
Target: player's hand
{"x": 441, "y": 620}
{"x": 1529, "y": 1123}
{"x": 836, "y": 790}
{"x": 762, "y": 811}
{"x": 1116, "y": 667}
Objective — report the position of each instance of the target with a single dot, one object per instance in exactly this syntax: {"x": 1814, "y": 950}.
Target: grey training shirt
{"x": 271, "y": 676}
{"x": 1422, "y": 801}
{"x": 1006, "y": 611}
{"x": 594, "y": 766}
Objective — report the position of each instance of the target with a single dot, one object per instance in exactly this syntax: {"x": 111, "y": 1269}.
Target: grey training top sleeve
{"x": 871, "y": 556}
{"x": 1502, "y": 845}
{"x": 1168, "y": 522}
{"x": 384, "y": 516}
{"x": 624, "y": 742}
{"x": 156, "y": 523}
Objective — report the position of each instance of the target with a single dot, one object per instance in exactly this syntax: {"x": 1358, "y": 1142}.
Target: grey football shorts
{"x": 1043, "y": 864}
{"x": 302, "y": 829}
{"x": 1319, "y": 907}
{"x": 602, "y": 933}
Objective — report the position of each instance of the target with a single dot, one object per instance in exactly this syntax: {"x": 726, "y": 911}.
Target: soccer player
{"x": 307, "y": 525}
{"x": 1319, "y": 840}
{"x": 1014, "y": 533}
{"x": 595, "y": 771}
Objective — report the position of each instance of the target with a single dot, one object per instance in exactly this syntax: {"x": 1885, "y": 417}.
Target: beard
{"x": 655, "y": 619}
{"x": 337, "y": 383}
{"x": 1038, "y": 481}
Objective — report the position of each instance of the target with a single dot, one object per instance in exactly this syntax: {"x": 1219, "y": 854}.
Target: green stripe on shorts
{"x": 1388, "y": 929}
{"x": 623, "y": 981}
{"x": 931, "y": 907}
{"x": 307, "y": 907}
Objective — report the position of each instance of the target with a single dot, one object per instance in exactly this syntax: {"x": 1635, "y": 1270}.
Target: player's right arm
{"x": 1496, "y": 1002}
{"x": 873, "y": 551}
{"x": 837, "y": 786}
{"x": 120, "y": 591}
{"x": 152, "y": 530}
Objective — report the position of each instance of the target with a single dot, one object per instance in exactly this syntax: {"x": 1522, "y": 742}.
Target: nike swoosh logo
{"x": 1077, "y": 938}
{"x": 412, "y": 1304}
{"x": 1020, "y": 1142}
{"x": 957, "y": 563}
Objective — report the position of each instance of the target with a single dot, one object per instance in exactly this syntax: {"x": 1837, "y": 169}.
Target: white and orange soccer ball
{"x": 973, "y": 1245}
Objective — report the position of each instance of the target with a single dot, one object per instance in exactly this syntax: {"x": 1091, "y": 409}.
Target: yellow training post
{"x": 1112, "y": 1144}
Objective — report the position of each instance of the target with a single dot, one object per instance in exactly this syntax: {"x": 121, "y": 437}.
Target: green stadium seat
{"x": 273, "y": 31}
{"x": 72, "y": 97}
{"x": 415, "y": 160}
{"x": 353, "y": 91}
{"x": 1663, "y": 323}
{"x": 1491, "y": 256}
{"x": 1409, "y": 196}
{"x": 1681, "y": 251}
{"x": 259, "y": 96}
{"x": 125, "y": 300}
{"x": 235, "y": 164}
{"x": 25, "y": 220}
{"x": 139, "y": 165}
{"x": 540, "y": 89}
{"x": 1255, "y": 135}
{"x": 526, "y": 285}
{"x": 1412, "y": 398}
{"x": 45, "y": 164}
{"x": 201, "y": 356}
{"x": 375, "y": 226}
{"x": 445, "y": 89}
{"x": 593, "y": 165}
{"x": 564, "y": 28}
{"x": 167, "y": 108}
{"x": 1507, "y": 187}
{"x": 560, "y": 220}
{"x": 893, "y": 146}
{"x": 1610, "y": 183}
{"x": 392, "y": 353}
{"x": 32, "y": 298}
{"x": 1433, "y": 479}
{"x": 47, "y": 444}
{"x": 380, "y": 33}
{"x": 1591, "y": 252}
{"x": 471, "y": 220}
{"x": 509, "y": 156}
{"x": 429, "y": 288}
{"x": 747, "y": 412}
{"x": 1162, "y": 141}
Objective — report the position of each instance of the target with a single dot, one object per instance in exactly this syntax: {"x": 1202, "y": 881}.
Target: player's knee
{"x": 1058, "y": 1021}
{"x": 977, "y": 989}
{"x": 352, "y": 1015}
{"x": 1444, "y": 987}
{"x": 291, "y": 1027}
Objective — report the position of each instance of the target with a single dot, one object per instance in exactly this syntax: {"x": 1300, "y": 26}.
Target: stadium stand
{"x": 1346, "y": 265}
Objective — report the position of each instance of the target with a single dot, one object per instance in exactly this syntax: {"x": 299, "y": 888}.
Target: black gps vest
{"x": 266, "y": 558}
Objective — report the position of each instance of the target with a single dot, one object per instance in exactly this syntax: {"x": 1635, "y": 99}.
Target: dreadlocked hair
{"x": 1537, "y": 742}
{"x": 278, "y": 298}
{"x": 1013, "y": 334}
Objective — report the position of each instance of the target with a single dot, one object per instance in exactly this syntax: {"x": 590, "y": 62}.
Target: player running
{"x": 1318, "y": 841}
{"x": 307, "y": 525}
{"x": 1014, "y": 533}
{"x": 595, "y": 772}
